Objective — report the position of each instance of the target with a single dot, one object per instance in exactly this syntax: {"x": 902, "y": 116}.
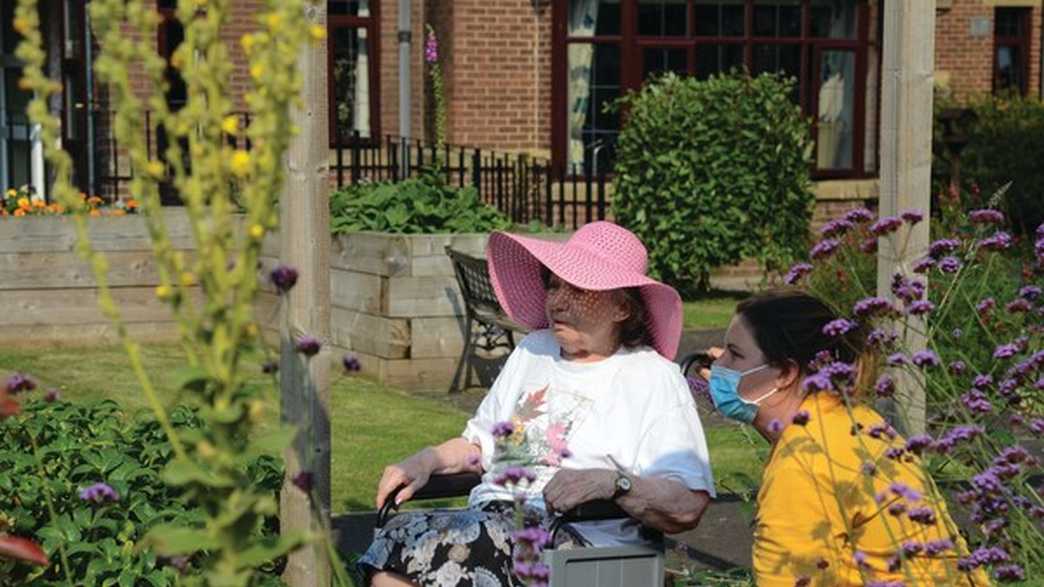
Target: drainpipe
{"x": 4, "y": 171}
{"x": 89, "y": 66}
{"x": 405, "y": 110}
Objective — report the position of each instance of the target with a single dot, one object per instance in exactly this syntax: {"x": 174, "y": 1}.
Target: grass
{"x": 711, "y": 310}
{"x": 372, "y": 425}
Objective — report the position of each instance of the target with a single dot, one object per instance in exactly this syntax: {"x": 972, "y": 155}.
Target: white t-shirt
{"x": 633, "y": 408}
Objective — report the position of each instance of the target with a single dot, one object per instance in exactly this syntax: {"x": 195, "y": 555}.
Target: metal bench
{"x": 621, "y": 566}
{"x": 487, "y": 326}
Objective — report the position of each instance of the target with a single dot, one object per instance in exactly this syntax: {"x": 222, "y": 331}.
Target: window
{"x": 1011, "y": 41}
{"x": 352, "y": 64}
{"x": 610, "y": 47}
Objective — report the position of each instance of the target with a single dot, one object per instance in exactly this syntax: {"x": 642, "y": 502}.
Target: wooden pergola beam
{"x": 906, "y": 164}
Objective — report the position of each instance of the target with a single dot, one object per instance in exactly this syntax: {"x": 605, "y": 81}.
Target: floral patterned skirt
{"x": 471, "y": 547}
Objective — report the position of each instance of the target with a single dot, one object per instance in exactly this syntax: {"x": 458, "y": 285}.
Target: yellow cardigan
{"x": 819, "y": 510}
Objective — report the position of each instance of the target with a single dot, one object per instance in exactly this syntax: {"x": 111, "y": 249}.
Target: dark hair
{"x": 788, "y": 326}
{"x": 633, "y": 331}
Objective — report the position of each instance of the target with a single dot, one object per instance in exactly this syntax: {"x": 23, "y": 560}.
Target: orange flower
{"x": 19, "y": 212}
{"x": 39, "y": 204}
{"x": 118, "y": 212}
{"x": 95, "y": 212}
{"x": 94, "y": 201}
{"x": 24, "y": 204}
{"x": 131, "y": 204}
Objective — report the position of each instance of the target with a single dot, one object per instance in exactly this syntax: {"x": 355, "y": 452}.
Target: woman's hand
{"x": 572, "y": 487}
{"x": 410, "y": 474}
{"x": 714, "y": 353}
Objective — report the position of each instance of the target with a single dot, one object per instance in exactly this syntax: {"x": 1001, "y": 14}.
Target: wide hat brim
{"x": 515, "y": 264}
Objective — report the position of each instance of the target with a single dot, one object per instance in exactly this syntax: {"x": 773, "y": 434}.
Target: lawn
{"x": 711, "y": 310}
{"x": 372, "y": 425}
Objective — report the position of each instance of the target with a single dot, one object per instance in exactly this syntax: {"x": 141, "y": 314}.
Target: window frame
{"x": 1021, "y": 43}
{"x": 632, "y": 48}
{"x": 371, "y": 24}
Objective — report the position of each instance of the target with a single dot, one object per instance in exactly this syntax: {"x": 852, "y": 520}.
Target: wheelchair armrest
{"x": 698, "y": 360}
{"x": 437, "y": 487}
{"x": 596, "y": 510}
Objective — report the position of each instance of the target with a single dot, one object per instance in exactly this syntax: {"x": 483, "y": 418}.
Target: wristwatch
{"x": 622, "y": 485}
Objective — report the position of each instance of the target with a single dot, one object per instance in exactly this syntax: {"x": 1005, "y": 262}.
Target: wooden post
{"x": 305, "y": 383}
{"x": 906, "y": 164}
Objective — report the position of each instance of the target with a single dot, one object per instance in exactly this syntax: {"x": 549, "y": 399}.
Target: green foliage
{"x": 420, "y": 205}
{"x": 1004, "y": 137}
{"x": 78, "y": 445}
{"x": 710, "y": 172}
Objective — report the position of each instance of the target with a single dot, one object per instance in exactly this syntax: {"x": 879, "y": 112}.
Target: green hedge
{"x": 711, "y": 172}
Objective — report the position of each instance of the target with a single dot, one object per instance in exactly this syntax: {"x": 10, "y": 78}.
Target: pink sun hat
{"x": 600, "y": 256}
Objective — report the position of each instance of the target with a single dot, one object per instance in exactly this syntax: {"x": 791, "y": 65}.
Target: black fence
{"x": 524, "y": 188}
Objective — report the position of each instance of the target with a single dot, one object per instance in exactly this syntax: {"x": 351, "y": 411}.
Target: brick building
{"x": 533, "y": 75}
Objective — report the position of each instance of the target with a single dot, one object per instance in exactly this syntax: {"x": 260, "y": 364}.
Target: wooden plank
{"x": 70, "y": 307}
{"x": 353, "y": 290}
{"x": 432, "y": 266}
{"x": 371, "y": 252}
{"x": 383, "y": 337}
{"x": 437, "y": 337}
{"x": 422, "y": 245}
{"x": 68, "y": 270}
{"x": 421, "y": 297}
{"x": 411, "y": 374}
{"x": 40, "y": 234}
{"x": 65, "y": 335}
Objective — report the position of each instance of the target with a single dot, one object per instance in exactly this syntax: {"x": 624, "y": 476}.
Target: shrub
{"x": 1001, "y": 138}
{"x": 420, "y": 205}
{"x": 77, "y": 446}
{"x": 710, "y": 172}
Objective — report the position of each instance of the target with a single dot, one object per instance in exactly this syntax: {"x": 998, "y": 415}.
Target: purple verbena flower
{"x": 982, "y": 381}
{"x": 801, "y": 418}
{"x": 824, "y": 248}
{"x": 912, "y": 217}
{"x": 894, "y": 453}
{"x": 976, "y": 402}
{"x": 904, "y": 491}
{"x": 922, "y": 515}
{"x": 1030, "y": 292}
{"x": 52, "y": 395}
{"x": 896, "y": 360}
{"x": 1009, "y": 573}
{"x": 920, "y": 308}
{"x": 283, "y": 277}
{"x": 870, "y": 306}
{"x": 897, "y": 509}
{"x": 917, "y": 443}
{"x": 797, "y": 272}
{"x": 943, "y": 246}
{"x": 431, "y": 47}
{"x": 937, "y": 547}
{"x": 816, "y": 382}
{"x": 886, "y": 225}
{"x": 838, "y": 327}
{"x": 99, "y": 493}
{"x": 878, "y": 337}
{"x": 869, "y": 245}
{"x": 351, "y": 363}
{"x": 912, "y": 548}
{"x": 985, "y": 305}
{"x": 923, "y": 265}
{"x": 1005, "y": 351}
{"x": 775, "y": 426}
{"x": 19, "y": 382}
{"x": 925, "y": 359}
{"x": 949, "y": 265}
{"x": 308, "y": 345}
{"x": 881, "y": 430}
{"x": 836, "y": 228}
{"x": 1019, "y": 305}
{"x": 869, "y": 469}
{"x": 999, "y": 241}
{"x": 859, "y": 215}
{"x": 885, "y": 386}
{"x": 957, "y": 367}
{"x": 986, "y": 216}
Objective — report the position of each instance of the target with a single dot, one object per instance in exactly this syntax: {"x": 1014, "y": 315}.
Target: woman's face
{"x": 741, "y": 354}
{"x": 583, "y": 321}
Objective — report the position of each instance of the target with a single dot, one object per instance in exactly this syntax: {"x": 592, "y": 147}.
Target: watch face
{"x": 623, "y": 484}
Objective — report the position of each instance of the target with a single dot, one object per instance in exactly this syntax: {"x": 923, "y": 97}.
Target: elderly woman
{"x": 833, "y": 508}
{"x": 590, "y": 403}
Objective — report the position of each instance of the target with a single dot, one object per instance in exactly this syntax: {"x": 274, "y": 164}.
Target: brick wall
{"x": 963, "y": 62}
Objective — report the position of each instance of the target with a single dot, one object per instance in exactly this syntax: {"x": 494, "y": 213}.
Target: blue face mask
{"x": 724, "y": 391}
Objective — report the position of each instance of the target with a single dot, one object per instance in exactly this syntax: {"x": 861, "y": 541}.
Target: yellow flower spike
{"x": 156, "y": 169}
{"x": 257, "y": 231}
{"x": 247, "y": 41}
{"x": 256, "y": 410}
{"x": 188, "y": 279}
{"x": 164, "y": 292}
{"x": 317, "y": 31}
{"x": 230, "y": 125}
{"x": 274, "y": 21}
{"x": 205, "y": 449}
{"x": 257, "y": 71}
{"x": 240, "y": 163}
{"x": 22, "y": 25}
